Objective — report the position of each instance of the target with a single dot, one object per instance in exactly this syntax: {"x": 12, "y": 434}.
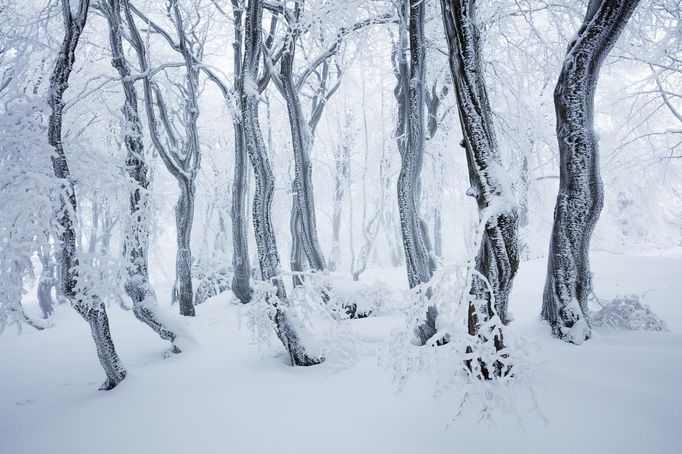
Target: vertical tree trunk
{"x": 240, "y": 257}
{"x": 184, "y": 216}
{"x": 46, "y": 282}
{"x": 410, "y": 95}
{"x": 88, "y": 305}
{"x": 137, "y": 229}
{"x": 268, "y": 255}
{"x": 304, "y": 229}
{"x": 580, "y": 198}
{"x": 498, "y": 257}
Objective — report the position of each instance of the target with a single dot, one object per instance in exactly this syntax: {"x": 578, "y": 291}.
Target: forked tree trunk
{"x": 580, "y": 199}
{"x": 88, "y": 305}
{"x": 268, "y": 255}
{"x": 136, "y": 235}
{"x": 240, "y": 256}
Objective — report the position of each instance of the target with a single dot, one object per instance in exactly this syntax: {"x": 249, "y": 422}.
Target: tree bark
{"x": 136, "y": 234}
{"x": 88, "y": 305}
{"x": 268, "y": 255}
{"x": 580, "y": 198}
{"x": 410, "y": 95}
{"x": 304, "y": 226}
{"x": 240, "y": 257}
{"x": 498, "y": 256}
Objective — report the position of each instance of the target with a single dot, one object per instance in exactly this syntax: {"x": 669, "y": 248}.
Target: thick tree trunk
{"x": 268, "y": 255}
{"x": 410, "y": 94}
{"x": 580, "y": 199}
{"x": 240, "y": 257}
{"x": 498, "y": 257}
{"x": 136, "y": 234}
{"x": 89, "y": 306}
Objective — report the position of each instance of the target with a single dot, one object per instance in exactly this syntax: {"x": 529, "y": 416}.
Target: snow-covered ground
{"x": 617, "y": 393}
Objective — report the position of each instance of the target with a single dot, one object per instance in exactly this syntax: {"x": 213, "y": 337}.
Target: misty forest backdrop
{"x": 398, "y": 194}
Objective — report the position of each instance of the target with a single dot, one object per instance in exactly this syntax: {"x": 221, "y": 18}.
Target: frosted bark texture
{"x": 268, "y": 256}
{"x": 498, "y": 256}
{"x": 90, "y": 307}
{"x": 580, "y": 198}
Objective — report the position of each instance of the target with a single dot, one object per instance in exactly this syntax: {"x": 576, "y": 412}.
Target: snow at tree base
{"x": 340, "y": 226}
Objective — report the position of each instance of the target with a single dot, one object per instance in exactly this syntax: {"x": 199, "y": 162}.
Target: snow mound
{"x": 628, "y": 313}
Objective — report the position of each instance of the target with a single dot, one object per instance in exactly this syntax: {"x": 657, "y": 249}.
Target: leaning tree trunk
{"x": 240, "y": 243}
{"x": 580, "y": 199}
{"x": 88, "y": 305}
{"x": 410, "y": 131}
{"x": 303, "y": 225}
{"x": 498, "y": 256}
{"x": 268, "y": 255}
{"x": 136, "y": 235}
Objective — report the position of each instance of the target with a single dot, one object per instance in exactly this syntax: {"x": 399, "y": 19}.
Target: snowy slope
{"x": 617, "y": 393}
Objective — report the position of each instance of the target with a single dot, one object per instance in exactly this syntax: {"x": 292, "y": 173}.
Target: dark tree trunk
{"x": 89, "y": 306}
{"x": 240, "y": 258}
{"x": 268, "y": 255}
{"x": 184, "y": 216}
{"x": 303, "y": 225}
{"x": 580, "y": 199}
{"x": 136, "y": 235}
{"x": 410, "y": 95}
{"x": 497, "y": 259}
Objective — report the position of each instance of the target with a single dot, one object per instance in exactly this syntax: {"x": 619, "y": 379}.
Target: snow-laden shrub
{"x": 455, "y": 367}
{"x": 320, "y": 319}
{"x": 627, "y": 313}
{"x": 361, "y": 299}
{"x": 213, "y": 277}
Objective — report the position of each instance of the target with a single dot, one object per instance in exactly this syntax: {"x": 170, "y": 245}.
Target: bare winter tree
{"x": 569, "y": 281}
{"x": 240, "y": 256}
{"x": 498, "y": 255}
{"x": 268, "y": 255}
{"x": 136, "y": 235}
{"x": 181, "y": 156}
{"x": 88, "y": 305}
{"x": 409, "y": 92}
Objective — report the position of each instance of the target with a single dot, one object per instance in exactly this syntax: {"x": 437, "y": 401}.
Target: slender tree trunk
{"x": 184, "y": 216}
{"x": 268, "y": 255}
{"x": 88, "y": 305}
{"x": 45, "y": 283}
{"x": 137, "y": 229}
{"x": 304, "y": 228}
{"x": 240, "y": 243}
{"x": 410, "y": 94}
{"x": 580, "y": 199}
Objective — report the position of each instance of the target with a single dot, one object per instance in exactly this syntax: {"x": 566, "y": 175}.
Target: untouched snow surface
{"x": 620, "y": 392}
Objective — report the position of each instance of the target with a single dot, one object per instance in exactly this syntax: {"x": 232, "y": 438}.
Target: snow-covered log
{"x": 580, "y": 199}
